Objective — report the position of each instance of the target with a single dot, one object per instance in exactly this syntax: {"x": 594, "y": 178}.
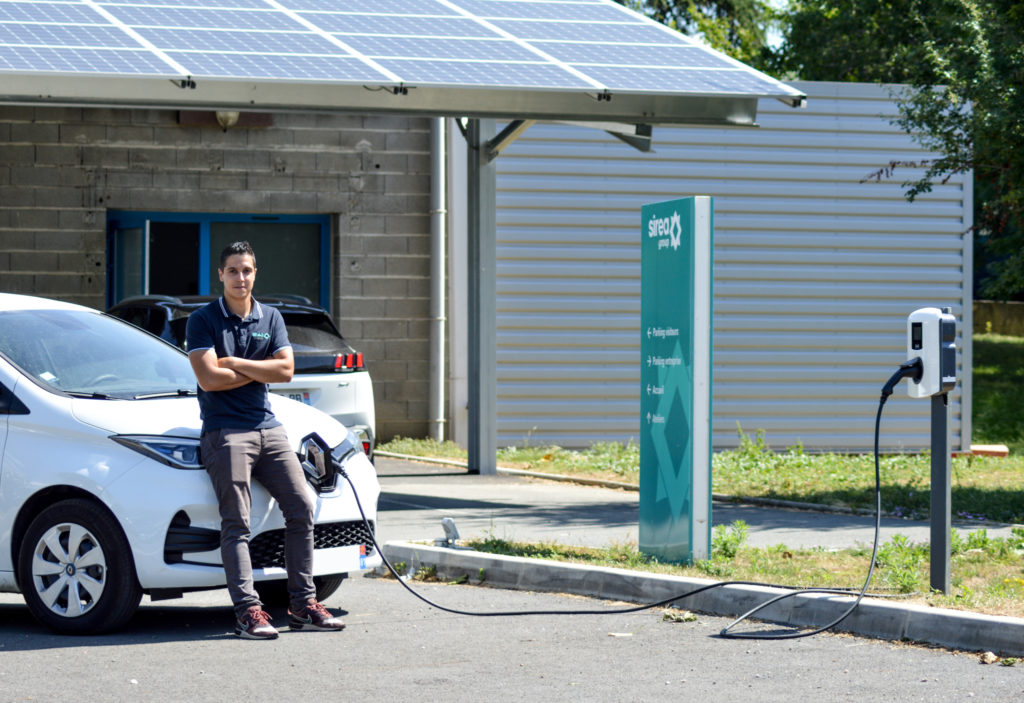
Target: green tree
{"x": 853, "y": 40}
{"x": 969, "y": 107}
{"x": 964, "y": 62}
{"x": 738, "y": 28}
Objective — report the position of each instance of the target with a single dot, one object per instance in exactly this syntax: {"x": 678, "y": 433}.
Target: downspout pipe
{"x": 438, "y": 280}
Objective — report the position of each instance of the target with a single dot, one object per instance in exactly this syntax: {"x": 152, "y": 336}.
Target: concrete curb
{"x": 873, "y": 618}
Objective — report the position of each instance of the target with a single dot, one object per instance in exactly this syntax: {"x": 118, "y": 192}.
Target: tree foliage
{"x": 738, "y": 28}
{"x": 871, "y": 41}
{"x": 968, "y": 108}
{"x": 964, "y": 61}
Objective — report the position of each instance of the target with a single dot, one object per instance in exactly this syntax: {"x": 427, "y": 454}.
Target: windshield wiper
{"x": 180, "y": 393}
{"x": 91, "y": 395}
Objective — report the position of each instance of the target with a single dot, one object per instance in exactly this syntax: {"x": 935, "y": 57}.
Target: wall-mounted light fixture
{"x": 227, "y": 118}
{"x": 223, "y": 119}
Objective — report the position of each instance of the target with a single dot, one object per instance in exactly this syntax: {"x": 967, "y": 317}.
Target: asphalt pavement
{"x": 397, "y": 649}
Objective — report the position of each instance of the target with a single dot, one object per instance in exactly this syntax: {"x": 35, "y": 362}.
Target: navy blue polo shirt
{"x": 259, "y": 336}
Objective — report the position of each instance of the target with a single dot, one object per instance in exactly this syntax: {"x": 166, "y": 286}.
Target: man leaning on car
{"x": 236, "y": 347}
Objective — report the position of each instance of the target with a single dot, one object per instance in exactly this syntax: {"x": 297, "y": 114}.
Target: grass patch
{"x": 986, "y": 571}
{"x": 610, "y": 460}
{"x": 984, "y": 488}
{"x": 430, "y": 448}
{"x": 998, "y": 401}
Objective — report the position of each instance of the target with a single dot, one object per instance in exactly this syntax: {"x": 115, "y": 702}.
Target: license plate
{"x": 301, "y": 396}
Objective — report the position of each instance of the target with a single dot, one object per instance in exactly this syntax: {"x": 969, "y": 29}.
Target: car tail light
{"x": 349, "y": 362}
{"x": 366, "y": 446}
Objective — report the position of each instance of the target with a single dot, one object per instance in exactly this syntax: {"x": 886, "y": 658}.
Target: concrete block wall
{"x": 61, "y": 169}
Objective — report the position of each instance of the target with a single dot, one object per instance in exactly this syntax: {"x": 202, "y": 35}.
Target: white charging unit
{"x": 931, "y": 336}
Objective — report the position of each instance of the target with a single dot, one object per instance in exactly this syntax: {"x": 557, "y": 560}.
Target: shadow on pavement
{"x": 581, "y": 514}
{"x": 151, "y": 624}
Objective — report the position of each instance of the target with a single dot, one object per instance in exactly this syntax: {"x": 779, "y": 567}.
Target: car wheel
{"x": 275, "y": 593}
{"x": 75, "y": 570}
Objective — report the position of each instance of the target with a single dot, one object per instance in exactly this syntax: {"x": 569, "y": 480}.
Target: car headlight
{"x": 176, "y": 452}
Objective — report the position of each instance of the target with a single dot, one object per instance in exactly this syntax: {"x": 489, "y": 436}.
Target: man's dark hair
{"x": 237, "y": 248}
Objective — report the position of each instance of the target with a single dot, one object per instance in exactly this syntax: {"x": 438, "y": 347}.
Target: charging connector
{"x": 911, "y": 368}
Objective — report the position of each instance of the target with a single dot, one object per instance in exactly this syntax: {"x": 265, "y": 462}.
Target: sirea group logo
{"x": 668, "y": 230}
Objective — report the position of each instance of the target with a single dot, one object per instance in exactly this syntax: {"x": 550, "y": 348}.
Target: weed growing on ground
{"x": 726, "y": 540}
{"x": 426, "y": 573}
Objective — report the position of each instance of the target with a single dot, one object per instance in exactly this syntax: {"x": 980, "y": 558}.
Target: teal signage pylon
{"x": 675, "y": 379}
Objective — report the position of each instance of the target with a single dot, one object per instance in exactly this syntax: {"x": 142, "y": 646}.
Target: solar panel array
{"x": 577, "y": 45}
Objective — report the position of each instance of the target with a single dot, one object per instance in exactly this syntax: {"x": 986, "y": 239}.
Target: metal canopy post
{"x": 482, "y": 305}
{"x": 484, "y": 145}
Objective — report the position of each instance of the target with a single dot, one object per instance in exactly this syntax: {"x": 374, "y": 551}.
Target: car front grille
{"x": 267, "y": 549}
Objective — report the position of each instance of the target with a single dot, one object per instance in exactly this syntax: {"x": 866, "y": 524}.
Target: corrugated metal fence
{"x": 815, "y": 272}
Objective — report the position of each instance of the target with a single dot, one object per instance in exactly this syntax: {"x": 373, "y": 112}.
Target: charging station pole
{"x": 941, "y": 495}
{"x": 931, "y": 341}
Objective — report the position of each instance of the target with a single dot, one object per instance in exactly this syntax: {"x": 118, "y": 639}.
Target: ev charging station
{"x": 675, "y": 379}
{"x": 931, "y": 338}
{"x": 675, "y": 388}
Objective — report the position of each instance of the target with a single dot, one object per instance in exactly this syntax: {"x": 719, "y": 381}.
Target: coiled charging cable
{"x": 911, "y": 367}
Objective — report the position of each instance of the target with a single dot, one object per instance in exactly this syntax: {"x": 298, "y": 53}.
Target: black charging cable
{"x": 911, "y": 367}
{"x": 476, "y": 613}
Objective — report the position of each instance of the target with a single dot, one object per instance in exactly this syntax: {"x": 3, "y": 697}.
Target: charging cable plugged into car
{"x": 931, "y": 370}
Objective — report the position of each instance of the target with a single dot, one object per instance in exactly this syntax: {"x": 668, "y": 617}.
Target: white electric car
{"x": 102, "y": 493}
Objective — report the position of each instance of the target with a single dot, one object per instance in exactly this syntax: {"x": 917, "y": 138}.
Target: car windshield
{"x": 81, "y": 352}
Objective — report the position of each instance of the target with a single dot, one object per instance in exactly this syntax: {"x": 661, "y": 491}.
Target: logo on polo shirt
{"x": 261, "y": 335}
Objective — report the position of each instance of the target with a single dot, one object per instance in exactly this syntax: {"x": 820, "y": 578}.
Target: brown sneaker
{"x": 314, "y": 617}
{"x": 255, "y": 624}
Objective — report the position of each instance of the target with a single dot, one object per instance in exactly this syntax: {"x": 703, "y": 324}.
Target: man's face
{"x": 238, "y": 276}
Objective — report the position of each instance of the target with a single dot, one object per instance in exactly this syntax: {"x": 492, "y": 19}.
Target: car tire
{"x": 75, "y": 569}
{"x": 275, "y": 593}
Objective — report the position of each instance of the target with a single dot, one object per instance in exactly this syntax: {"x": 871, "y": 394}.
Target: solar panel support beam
{"x": 481, "y": 253}
{"x": 639, "y": 138}
{"x": 506, "y": 136}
